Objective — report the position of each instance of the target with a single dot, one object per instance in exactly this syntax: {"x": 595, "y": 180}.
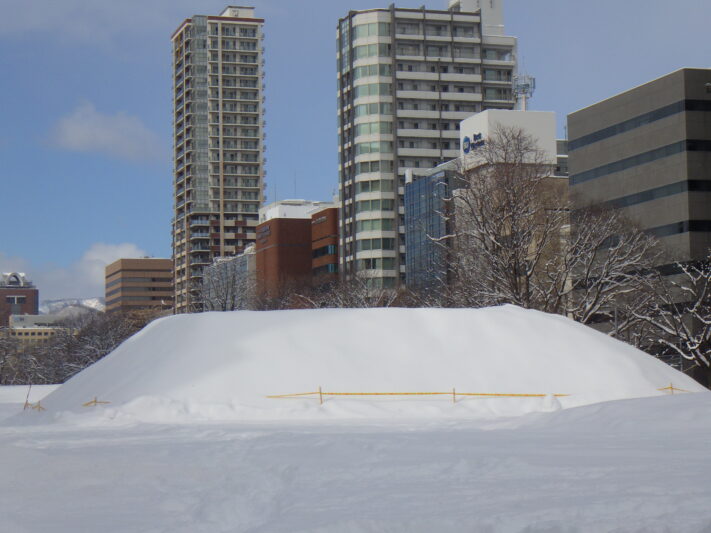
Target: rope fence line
{"x": 94, "y": 403}
{"x": 671, "y": 388}
{"x": 453, "y": 393}
{"x": 321, "y": 394}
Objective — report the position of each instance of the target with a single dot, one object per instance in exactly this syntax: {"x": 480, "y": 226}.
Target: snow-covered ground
{"x": 639, "y": 465}
{"x": 190, "y": 443}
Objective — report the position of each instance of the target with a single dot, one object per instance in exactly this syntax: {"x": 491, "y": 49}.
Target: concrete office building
{"x": 647, "y": 152}
{"x": 18, "y": 296}
{"x": 35, "y": 329}
{"x": 135, "y": 284}
{"x": 406, "y": 77}
{"x": 218, "y": 142}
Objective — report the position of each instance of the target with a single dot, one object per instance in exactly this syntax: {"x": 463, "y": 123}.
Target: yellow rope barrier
{"x": 451, "y": 393}
{"x": 292, "y": 395}
{"x": 94, "y": 403}
{"x": 671, "y": 388}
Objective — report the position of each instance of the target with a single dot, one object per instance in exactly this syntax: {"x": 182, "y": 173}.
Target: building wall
{"x": 540, "y": 125}
{"x": 18, "y": 296}
{"x": 425, "y": 208}
{"x": 230, "y": 282}
{"x": 218, "y": 108}
{"x": 647, "y": 151}
{"x": 324, "y": 245}
{"x": 406, "y": 78}
{"x": 17, "y": 301}
{"x": 283, "y": 254}
{"x": 133, "y": 284}
{"x": 33, "y": 335}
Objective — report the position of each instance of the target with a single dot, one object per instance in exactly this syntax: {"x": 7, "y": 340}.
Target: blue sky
{"x": 85, "y": 124}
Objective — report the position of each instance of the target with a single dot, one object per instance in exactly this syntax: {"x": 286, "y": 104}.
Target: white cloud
{"x": 120, "y": 135}
{"x": 82, "y": 279}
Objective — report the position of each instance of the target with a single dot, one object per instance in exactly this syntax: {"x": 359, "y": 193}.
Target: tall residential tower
{"x": 218, "y": 142}
{"x": 406, "y": 77}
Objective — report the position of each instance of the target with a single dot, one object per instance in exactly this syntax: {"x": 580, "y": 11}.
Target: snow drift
{"x": 224, "y": 365}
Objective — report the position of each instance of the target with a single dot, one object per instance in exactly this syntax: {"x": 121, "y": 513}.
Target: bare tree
{"x": 509, "y": 215}
{"x": 228, "y": 285}
{"x": 679, "y": 313}
{"x": 9, "y": 350}
{"x": 81, "y": 341}
{"x": 601, "y": 270}
{"x": 517, "y": 238}
{"x": 355, "y": 292}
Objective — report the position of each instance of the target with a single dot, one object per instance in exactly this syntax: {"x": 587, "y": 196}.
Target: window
{"x": 375, "y": 186}
{"x": 375, "y": 244}
{"x": 373, "y": 127}
{"x": 373, "y": 89}
{"x": 374, "y": 147}
{"x": 375, "y": 205}
{"x": 375, "y": 224}
{"x": 329, "y": 249}
{"x": 371, "y": 50}
{"x": 380, "y": 69}
{"x": 372, "y": 29}
{"x": 373, "y": 109}
{"x": 376, "y": 263}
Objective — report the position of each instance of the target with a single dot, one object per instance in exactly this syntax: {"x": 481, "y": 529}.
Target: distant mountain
{"x": 71, "y": 306}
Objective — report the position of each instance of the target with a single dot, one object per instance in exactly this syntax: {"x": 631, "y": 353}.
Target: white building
{"x": 406, "y": 77}
{"x": 218, "y": 142}
{"x": 292, "y": 209}
{"x": 229, "y": 283}
{"x": 540, "y": 125}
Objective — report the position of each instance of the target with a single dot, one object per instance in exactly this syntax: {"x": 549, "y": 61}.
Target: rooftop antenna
{"x": 523, "y": 87}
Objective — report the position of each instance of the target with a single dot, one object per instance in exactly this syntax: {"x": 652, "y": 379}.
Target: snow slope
{"x": 630, "y": 466}
{"x": 13, "y": 397}
{"x": 223, "y": 365}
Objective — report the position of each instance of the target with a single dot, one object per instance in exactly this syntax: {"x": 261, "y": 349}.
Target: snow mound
{"x": 214, "y": 366}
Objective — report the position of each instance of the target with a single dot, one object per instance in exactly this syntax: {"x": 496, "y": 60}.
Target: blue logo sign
{"x": 475, "y": 142}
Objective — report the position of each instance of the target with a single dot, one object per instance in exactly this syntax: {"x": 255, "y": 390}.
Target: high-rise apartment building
{"x": 218, "y": 108}
{"x": 406, "y": 77}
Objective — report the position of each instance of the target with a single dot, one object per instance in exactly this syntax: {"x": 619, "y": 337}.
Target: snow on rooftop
{"x": 224, "y": 365}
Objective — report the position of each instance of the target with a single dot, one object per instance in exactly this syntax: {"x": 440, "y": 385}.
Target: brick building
{"x": 295, "y": 240}
{"x": 324, "y": 245}
{"x": 18, "y": 296}
{"x": 283, "y": 252}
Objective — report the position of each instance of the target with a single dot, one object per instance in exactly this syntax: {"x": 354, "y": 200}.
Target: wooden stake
{"x": 320, "y": 395}
{"x": 454, "y": 396}
{"x": 27, "y": 398}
